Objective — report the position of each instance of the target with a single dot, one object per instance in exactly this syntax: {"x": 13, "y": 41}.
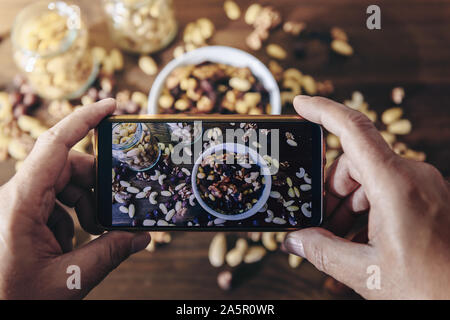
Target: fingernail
{"x": 140, "y": 242}
{"x": 294, "y": 245}
{"x": 106, "y": 102}
{"x": 300, "y": 97}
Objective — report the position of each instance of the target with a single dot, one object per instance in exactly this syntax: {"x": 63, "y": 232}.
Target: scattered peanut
{"x": 276, "y": 51}
{"x": 401, "y": 127}
{"x": 217, "y": 250}
{"x": 148, "y": 65}
{"x": 232, "y": 10}
{"x": 391, "y": 115}
{"x": 342, "y": 47}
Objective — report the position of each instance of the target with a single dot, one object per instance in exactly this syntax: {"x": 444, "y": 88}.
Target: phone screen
{"x": 206, "y": 175}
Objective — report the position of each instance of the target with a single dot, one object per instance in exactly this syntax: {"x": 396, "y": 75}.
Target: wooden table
{"x": 411, "y": 50}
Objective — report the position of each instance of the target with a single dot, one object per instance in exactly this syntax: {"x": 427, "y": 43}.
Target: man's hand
{"x": 36, "y": 232}
{"x": 409, "y": 212}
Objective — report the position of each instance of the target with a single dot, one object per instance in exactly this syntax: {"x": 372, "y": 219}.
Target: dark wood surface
{"x": 412, "y": 50}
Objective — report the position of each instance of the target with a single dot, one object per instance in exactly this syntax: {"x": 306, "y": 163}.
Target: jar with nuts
{"x": 141, "y": 26}
{"x": 134, "y": 145}
{"x": 50, "y": 44}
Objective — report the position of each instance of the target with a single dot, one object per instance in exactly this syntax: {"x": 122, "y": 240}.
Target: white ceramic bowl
{"x": 256, "y": 158}
{"x": 218, "y": 54}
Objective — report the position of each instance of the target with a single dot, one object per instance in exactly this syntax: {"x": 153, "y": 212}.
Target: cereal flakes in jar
{"x": 141, "y": 26}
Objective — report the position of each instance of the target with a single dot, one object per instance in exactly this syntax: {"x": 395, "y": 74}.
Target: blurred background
{"x": 409, "y": 53}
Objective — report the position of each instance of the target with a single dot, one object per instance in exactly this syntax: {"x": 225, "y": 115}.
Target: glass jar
{"x": 50, "y": 44}
{"x": 141, "y": 26}
{"x": 134, "y": 144}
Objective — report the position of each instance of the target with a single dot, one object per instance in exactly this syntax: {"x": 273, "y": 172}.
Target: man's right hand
{"x": 409, "y": 213}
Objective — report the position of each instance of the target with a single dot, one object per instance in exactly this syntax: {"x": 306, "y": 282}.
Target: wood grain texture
{"x": 411, "y": 50}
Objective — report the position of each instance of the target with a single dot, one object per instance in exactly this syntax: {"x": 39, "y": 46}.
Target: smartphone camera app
{"x": 210, "y": 175}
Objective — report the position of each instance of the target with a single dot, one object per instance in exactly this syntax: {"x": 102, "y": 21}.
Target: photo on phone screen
{"x": 209, "y": 174}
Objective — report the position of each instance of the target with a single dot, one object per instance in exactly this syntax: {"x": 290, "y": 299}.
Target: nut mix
{"x": 226, "y": 181}
{"x": 18, "y": 130}
{"x": 185, "y": 133}
{"x": 213, "y": 88}
{"x": 263, "y": 20}
{"x": 142, "y": 26}
{"x": 229, "y": 188}
{"x": 51, "y": 47}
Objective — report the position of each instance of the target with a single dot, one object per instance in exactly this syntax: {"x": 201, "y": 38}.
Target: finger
{"x": 332, "y": 284}
{"x": 360, "y": 139}
{"x": 84, "y": 203}
{"x": 343, "y": 260}
{"x": 331, "y": 201}
{"x": 339, "y": 183}
{"x": 61, "y": 224}
{"x": 102, "y": 255}
{"x": 362, "y": 236}
{"x": 79, "y": 170}
{"x": 49, "y": 154}
{"x": 345, "y": 216}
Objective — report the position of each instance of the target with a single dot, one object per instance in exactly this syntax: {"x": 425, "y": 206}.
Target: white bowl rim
{"x": 234, "y": 147}
{"x": 218, "y": 54}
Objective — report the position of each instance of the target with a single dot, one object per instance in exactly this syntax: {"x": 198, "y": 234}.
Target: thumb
{"x": 102, "y": 255}
{"x": 340, "y": 258}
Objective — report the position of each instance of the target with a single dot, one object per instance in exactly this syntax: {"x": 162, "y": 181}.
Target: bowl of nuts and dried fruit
{"x": 231, "y": 181}
{"x": 215, "y": 79}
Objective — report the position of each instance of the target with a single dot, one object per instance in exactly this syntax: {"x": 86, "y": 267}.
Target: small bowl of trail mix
{"x": 231, "y": 181}
{"x": 215, "y": 79}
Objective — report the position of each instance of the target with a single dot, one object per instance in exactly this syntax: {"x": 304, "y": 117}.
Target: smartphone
{"x": 209, "y": 173}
